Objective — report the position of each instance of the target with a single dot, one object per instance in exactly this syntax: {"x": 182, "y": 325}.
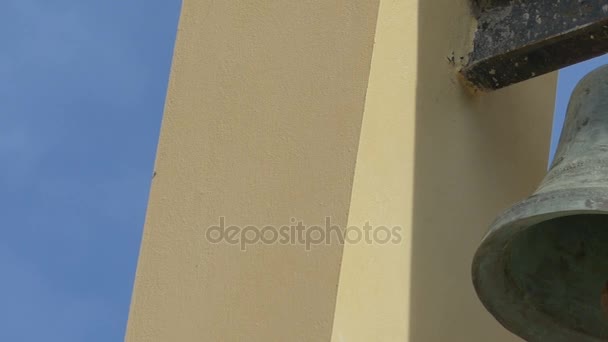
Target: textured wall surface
{"x": 262, "y": 121}
{"x": 350, "y": 109}
{"x": 441, "y": 163}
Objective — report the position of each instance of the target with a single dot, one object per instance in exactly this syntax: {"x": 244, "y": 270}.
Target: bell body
{"x": 542, "y": 269}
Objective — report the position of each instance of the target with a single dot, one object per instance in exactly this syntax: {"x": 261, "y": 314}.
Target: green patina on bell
{"x": 542, "y": 269}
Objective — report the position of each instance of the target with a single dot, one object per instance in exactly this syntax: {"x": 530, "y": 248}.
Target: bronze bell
{"x": 542, "y": 269}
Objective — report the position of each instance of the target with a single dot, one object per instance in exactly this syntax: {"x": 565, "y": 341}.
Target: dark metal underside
{"x": 520, "y": 39}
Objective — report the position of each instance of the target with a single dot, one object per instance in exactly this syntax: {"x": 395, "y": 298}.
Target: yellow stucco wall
{"x": 261, "y": 124}
{"x": 440, "y": 163}
{"x": 281, "y": 109}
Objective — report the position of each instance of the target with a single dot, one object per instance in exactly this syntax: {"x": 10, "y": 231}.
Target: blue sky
{"x": 82, "y": 92}
{"x": 568, "y": 78}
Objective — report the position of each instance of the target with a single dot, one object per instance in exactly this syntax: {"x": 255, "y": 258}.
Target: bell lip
{"x": 491, "y": 280}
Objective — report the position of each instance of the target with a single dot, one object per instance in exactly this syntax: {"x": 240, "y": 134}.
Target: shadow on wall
{"x": 474, "y": 156}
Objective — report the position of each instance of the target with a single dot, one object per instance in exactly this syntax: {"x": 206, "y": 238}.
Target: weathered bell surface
{"x": 542, "y": 270}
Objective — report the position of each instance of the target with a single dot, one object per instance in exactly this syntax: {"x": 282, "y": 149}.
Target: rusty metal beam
{"x": 520, "y": 39}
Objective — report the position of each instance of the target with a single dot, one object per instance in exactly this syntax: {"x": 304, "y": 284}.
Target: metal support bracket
{"x": 517, "y": 40}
